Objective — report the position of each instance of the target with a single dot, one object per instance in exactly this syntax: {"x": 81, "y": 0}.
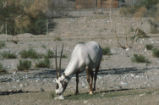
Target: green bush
{"x": 45, "y": 63}
{"x": 2, "y": 44}
{"x": 30, "y": 53}
{"x": 24, "y": 65}
{"x": 57, "y": 39}
{"x": 2, "y": 69}
{"x": 155, "y": 52}
{"x": 149, "y": 3}
{"x": 141, "y": 8}
{"x": 138, "y": 58}
{"x": 50, "y": 54}
{"x": 8, "y": 55}
{"x": 64, "y": 56}
{"x": 106, "y": 51}
{"x": 149, "y": 46}
{"x": 24, "y": 16}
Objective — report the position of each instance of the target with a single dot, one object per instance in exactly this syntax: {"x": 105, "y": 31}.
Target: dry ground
{"x": 117, "y": 71}
{"x": 121, "y": 97}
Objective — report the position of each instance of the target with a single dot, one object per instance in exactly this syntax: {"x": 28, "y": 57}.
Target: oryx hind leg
{"x": 95, "y": 77}
{"x": 89, "y": 79}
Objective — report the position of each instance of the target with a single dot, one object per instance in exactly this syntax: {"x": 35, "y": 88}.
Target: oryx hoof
{"x": 91, "y": 92}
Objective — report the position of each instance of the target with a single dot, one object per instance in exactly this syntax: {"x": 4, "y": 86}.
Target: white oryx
{"x": 85, "y": 56}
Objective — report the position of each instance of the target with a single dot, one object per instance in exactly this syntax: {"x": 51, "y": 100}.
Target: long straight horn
{"x": 61, "y": 59}
{"x": 57, "y": 71}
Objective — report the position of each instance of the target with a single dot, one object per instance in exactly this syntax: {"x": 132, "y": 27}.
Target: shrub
{"x": 138, "y": 58}
{"x": 142, "y": 8}
{"x": 155, "y": 52}
{"x": 149, "y": 46}
{"x": 140, "y": 12}
{"x": 2, "y": 69}
{"x": 149, "y": 3}
{"x": 140, "y": 33}
{"x": 45, "y": 63}
{"x": 30, "y": 53}
{"x": 43, "y": 46}
{"x": 24, "y": 65}
{"x": 8, "y": 55}
{"x": 64, "y": 56}
{"x": 2, "y": 44}
{"x": 57, "y": 39}
{"x": 106, "y": 51}
{"x": 50, "y": 54}
{"x": 127, "y": 11}
{"x": 23, "y": 16}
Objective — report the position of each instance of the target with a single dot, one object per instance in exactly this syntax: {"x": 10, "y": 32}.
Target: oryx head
{"x": 61, "y": 81}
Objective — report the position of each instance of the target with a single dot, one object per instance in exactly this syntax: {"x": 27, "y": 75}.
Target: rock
{"x": 61, "y": 97}
{"x": 123, "y": 83}
{"x": 85, "y": 101}
{"x": 21, "y": 85}
{"x": 146, "y": 26}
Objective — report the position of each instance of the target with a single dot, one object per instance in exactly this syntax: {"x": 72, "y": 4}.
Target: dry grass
{"x": 2, "y": 69}
{"x": 24, "y": 65}
{"x": 155, "y": 52}
{"x": 30, "y": 53}
{"x": 36, "y": 8}
{"x": 138, "y": 58}
{"x": 8, "y": 55}
{"x": 140, "y": 12}
{"x": 2, "y": 44}
{"x": 45, "y": 63}
{"x": 107, "y": 94}
{"x": 23, "y": 16}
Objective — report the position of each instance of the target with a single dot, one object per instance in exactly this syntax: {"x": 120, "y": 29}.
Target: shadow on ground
{"x": 49, "y": 73}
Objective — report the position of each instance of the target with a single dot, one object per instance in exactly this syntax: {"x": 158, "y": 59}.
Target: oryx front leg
{"x": 89, "y": 79}
{"x": 77, "y": 81}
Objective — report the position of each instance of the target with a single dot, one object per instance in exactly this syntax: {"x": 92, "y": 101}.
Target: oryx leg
{"x": 95, "y": 77}
{"x": 89, "y": 79}
{"x": 77, "y": 81}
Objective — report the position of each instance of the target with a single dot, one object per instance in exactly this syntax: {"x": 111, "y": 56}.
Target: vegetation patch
{"x": 24, "y": 16}
{"x": 2, "y": 69}
{"x": 108, "y": 94}
{"x": 149, "y": 46}
{"x": 106, "y": 51}
{"x": 30, "y": 53}
{"x": 64, "y": 56}
{"x": 50, "y": 54}
{"x": 155, "y": 52}
{"x": 138, "y": 58}
{"x": 8, "y": 55}
{"x": 142, "y": 8}
{"x": 139, "y": 34}
{"x": 45, "y": 63}
{"x": 2, "y": 44}
{"x": 24, "y": 65}
{"x": 57, "y": 38}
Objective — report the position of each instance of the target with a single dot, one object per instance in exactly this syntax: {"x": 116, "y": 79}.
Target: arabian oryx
{"x": 85, "y": 56}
